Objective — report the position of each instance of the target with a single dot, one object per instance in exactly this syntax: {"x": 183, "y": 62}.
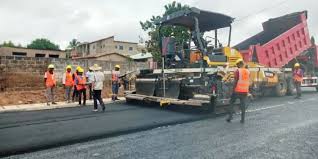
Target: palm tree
{"x": 73, "y": 43}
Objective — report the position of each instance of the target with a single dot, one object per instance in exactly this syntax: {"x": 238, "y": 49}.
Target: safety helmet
{"x": 78, "y": 67}
{"x": 117, "y": 66}
{"x": 239, "y": 61}
{"x": 80, "y": 70}
{"x": 297, "y": 65}
{"x": 51, "y": 66}
{"x": 68, "y": 67}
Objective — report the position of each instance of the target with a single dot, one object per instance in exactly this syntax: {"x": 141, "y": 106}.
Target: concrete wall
{"x": 27, "y": 73}
{"x": 8, "y": 51}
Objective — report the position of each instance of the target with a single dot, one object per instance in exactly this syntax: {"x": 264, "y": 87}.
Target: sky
{"x": 22, "y": 21}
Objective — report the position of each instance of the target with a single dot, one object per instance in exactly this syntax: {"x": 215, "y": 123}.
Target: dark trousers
{"x": 75, "y": 93}
{"x": 298, "y": 88}
{"x": 80, "y": 94}
{"x": 242, "y": 98}
{"x": 98, "y": 97}
{"x": 90, "y": 91}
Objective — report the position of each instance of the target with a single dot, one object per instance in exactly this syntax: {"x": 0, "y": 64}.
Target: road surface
{"x": 274, "y": 128}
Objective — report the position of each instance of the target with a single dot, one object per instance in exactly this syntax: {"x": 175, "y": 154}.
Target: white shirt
{"x": 98, "y": 81}
{"x": 90, "y": 76}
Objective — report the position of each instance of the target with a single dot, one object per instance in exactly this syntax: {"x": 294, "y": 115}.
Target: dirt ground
{"x": 38, "y": 96}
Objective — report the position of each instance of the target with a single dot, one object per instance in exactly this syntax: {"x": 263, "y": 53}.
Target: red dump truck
{"x": 283, "y": 42}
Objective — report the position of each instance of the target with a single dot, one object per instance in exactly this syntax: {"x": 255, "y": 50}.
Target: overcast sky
{"x": 61, "y": 20}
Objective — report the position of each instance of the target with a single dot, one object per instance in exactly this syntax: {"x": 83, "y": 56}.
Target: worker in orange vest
{"x": 50, "y": 84}
{"x": 115, "y": 82}
{"x": 298, "y": 79}
{"x": 240, "y": 90}
{"x": 68, "y": 83}
{"x": 75, "y": 92}
{"x": 81, "y": 86}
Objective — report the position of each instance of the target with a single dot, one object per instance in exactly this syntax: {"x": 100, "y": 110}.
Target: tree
{"x": 73, "y": 44}
{"x": 8, "y": 44}
{"x": 43, "y": 44}
{"x": 181, "y": 34}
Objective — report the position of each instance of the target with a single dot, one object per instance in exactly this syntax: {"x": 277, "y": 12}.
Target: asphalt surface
{"x": 274, "y": 128}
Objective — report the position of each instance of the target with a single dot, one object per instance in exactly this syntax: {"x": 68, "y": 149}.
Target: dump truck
{"x": 192, "y": 71}
{"x": 283, "y": 42}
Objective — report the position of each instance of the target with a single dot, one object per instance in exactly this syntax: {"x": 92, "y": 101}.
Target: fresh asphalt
{"x": 275, "y": 128}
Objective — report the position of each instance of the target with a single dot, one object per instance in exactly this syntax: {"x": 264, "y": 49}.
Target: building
{"x": 110, "y": 57}
{"x": 142, "y": 57}
{"x": 25, "y": 52}
{"x": 104, "y": 46}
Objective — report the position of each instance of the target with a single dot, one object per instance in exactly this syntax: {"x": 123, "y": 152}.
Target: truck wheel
{"x": 281, "y": 88}
{"x": 290, "y": 87}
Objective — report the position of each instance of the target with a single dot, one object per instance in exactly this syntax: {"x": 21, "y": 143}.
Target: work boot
{"x": 95, "y": 110}
{"x": 104, "y": 108}
{"x": 54, "y": 103}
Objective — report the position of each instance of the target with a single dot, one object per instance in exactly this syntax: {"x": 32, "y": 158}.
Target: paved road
{"x": 275, "y": 128}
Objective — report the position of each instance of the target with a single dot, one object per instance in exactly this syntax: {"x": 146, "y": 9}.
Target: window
{"x": 131, "y": 48}
{"x": 19, "y": 54}
{"x": 116, "y": 47}
{"x": 54, "y": 56}
{"x": 39, "y": 55}
{"x": 121, "y": 47}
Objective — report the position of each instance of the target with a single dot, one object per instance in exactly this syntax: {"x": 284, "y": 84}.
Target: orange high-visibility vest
{"x": 50, "y": 80}
{"x": 69, "y": 79}
{"x": 243, "y": 82}
{"x": 81, "y": 81}
{"x": 115, "y": 76}
{"x": 297, "y": 76}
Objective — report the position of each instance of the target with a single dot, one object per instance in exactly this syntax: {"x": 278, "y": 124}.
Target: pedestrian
{"x": 89, "y": 77}
{"x": 298, "y": 75}
{"x": 50, "y": 84}
{"x": 68, "y": 83}
{"x": 240, "y": 90}
{"x": 115, "y": 82}
{"x": 98, "y": 85}
{"x": 81, "y": 86}
{"x": 75, "y": 92}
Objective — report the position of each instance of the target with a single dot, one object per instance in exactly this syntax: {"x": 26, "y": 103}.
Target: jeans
{"x": 242, "y": 98}
{"x": 80, "y": 94}
{"x": 90, "y": 91}
{"x": 68, "y": 90}
{"x": 75, "y": 94}
{"x": 115, "y": 87}
{"x": 50, "y": 92}
{"x": 98, "y": 97}
{"x": 298, "y": 88}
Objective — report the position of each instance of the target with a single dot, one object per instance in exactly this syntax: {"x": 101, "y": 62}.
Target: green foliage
{"x": 73, "y": 44}
{"x": 43, "y": 44}
{"x": 8, "y": 44}
{"x": 181, "y": 34}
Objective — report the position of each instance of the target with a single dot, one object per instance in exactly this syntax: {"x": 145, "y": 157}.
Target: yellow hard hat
{"x": 78, "y": 67}
{"x": 68, "y": 67}
{"x": 238, "y": 61}
{"x": 117, "y": 66}
{"x": 51, "y": 66}
{"x": 297, "y": 65}
{"x": 80, "y": 70}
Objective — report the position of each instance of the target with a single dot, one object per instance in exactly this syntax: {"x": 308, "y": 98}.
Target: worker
{"x": 75, "y": 92}
{"x": 68, "y": 83}
{"x": 98, "y": 85}
{"x": 50, "y": 84}
{"x": 89, "y": 77}
{"x": 298, "y": 79}
{"x": 115, "y": 82}
{"x": 240, "y": 90}
{"x": 81, "y": 86}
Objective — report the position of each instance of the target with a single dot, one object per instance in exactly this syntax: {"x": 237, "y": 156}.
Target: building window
{"x": 54, "y": 56}
{"x": 116, "y": 47}
{"x": 121, "y": 47}
{"x": 39, "y": 55}
{"x": 131, "y": 48}
{"x": 19, "y": 54}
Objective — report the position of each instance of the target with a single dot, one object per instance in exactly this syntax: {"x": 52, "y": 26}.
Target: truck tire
{"x": 290, "y": 87}
{"x": 281, "y": 88}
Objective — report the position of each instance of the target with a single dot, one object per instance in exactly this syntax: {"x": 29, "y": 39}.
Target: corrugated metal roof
{"x": 141, "y": 56}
